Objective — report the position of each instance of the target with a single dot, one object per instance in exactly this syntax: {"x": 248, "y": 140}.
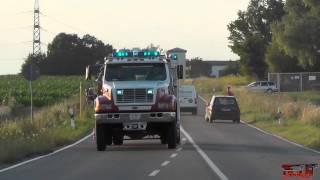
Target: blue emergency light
{"x": 174, "y": 57}
{"x": 136, "y": 54}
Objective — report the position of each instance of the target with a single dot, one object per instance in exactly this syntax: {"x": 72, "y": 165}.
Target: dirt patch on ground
{"x": 5, "y": 110}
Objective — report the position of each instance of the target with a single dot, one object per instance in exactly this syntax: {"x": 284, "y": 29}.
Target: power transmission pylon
{"x": 36, "y": 51}
{"x": 36, "y": 30}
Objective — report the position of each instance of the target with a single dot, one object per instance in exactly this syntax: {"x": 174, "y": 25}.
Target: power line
{"x": 62, "y": 23}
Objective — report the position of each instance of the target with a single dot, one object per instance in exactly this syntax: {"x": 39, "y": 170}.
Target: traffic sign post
{"x": 31, "y": 75}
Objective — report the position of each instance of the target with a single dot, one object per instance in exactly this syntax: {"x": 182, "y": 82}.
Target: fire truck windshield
{"x": 136, "y": 72}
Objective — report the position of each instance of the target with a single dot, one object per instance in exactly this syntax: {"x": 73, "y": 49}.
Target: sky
{"x": 199, "y": 26}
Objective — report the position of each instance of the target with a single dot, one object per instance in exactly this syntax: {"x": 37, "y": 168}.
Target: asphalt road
{"x": 222, "y": 150}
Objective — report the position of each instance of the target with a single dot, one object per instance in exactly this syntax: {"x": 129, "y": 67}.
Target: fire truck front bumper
{"x": 114, "y": 118}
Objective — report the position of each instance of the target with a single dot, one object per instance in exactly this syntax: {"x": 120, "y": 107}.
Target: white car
{"x": 188, "y": 99}
{"x": 263, "y": 86}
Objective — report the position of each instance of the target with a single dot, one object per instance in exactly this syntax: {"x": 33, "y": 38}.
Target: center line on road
{"x": 154, "y": 173}
{"x": 205, "y": 157}
{"x": 173, "y": 155}
{"x": 165, "y": 163}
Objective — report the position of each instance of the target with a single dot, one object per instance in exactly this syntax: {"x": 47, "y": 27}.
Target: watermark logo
{"x": 298, "y": 170}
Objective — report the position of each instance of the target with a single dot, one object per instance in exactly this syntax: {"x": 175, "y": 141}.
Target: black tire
{"x": 195, "y": 112}
{"x": 269, "y": 91}
{"x": 100, "y": 137}
{"x": 172, "y": 135}
{"x": 238, "y": 121}
{"x": 163, "y": 139}
{"x": 178, "y": 136}
{"x": 117, "y": 137}
{"x": 211, "y": 119}
{"x": 109, "y": 136}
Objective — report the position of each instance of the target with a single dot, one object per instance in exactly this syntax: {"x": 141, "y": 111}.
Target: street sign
{"x": 31, "y": 72}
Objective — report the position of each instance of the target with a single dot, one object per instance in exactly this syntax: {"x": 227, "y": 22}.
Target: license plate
{"x": 134, "y": 116}
{"x": 225, "y": 109}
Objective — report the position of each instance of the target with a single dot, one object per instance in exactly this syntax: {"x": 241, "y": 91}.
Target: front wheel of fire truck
{"x": 117, "y": 137}
{"x": 100, "y": 137}
{"x": 172, "y": 135}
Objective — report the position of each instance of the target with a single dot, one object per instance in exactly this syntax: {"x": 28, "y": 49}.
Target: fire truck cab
{"x": 139, "y": 98}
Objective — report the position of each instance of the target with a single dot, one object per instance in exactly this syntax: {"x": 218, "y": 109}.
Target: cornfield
{"x": 47, "y": 90}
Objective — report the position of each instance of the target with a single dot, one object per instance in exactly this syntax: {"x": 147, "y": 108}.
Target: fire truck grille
{"x": 130, "y": 96}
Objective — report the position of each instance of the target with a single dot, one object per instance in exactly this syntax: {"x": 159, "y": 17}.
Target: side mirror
{"x": 180, "y": 71}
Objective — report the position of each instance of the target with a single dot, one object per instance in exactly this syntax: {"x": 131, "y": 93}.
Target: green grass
{"x": 300, "y": 115}
{"x": 49, "y": 130}
{"x": 295, "y": 131}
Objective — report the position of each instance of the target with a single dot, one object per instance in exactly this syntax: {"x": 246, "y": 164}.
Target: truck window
{"x": 136, "y": 72}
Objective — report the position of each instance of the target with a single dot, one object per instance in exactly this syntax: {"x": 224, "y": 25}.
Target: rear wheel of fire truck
{"x": 178, "y": 135}
{"x": 172, "y": 135}
{"x": 117, "y": 137}
{"x": 100, "y": 137}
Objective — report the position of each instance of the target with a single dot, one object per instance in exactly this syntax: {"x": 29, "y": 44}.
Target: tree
{"x": 69, "y": 54}
{"x": 250, "y": 34}
{"x": 37, "y": 60}
{"x": 298, "y": 34}
{"x": 279, "y": 61}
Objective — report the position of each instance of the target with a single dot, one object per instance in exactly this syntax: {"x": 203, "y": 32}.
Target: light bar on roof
{"x": 136, "y": 54}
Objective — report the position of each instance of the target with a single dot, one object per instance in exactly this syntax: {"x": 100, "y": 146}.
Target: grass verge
{"x": 50, "y": 129}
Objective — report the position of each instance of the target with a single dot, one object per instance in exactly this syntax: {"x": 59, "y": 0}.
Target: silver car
{"x": 263, "y": 86}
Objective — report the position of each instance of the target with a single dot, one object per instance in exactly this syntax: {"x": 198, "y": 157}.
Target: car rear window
{"x": 185, "y": 93}
{"x": 271, "y": 84}
{"x": 224, "y": 101}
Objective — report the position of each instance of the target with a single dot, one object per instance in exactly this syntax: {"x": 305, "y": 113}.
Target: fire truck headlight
{"x": 150, "y": 91}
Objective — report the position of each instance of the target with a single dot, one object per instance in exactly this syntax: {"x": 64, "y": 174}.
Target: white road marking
{"x": 274, "y": 135}
{"x": 184, "y": 139}
{"x": 205, "y": 157}
{"x": 174, "y": 155}
{"x": 165, "y": 163}
{"x": 154, "y": 173}
{"x": 47, "y": 155}
{"x": 179, "y": 149}
{"x": 202, "y": 99}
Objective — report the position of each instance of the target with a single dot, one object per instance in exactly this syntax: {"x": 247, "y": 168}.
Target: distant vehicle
{"x": 223, "y": 108}
{"x": 188, "y": 99}
{"x": 263, "y": 86}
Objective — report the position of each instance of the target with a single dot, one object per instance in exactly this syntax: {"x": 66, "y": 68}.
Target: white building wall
{"x": 216, "y": 69}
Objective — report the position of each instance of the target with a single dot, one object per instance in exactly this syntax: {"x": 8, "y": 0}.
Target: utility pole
{"x": 36, "y": 30}
{"x": 36, "y": 50}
